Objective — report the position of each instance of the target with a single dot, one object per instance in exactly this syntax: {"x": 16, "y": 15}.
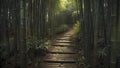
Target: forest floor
{"x": 62, "y": 53}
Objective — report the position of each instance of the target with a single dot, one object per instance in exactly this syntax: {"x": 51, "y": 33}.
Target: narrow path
{"x": 62, "y": 54}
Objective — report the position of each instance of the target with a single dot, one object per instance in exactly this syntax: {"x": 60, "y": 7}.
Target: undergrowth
{"x": 60, "y": 29}
{"x": 76, "y": 28}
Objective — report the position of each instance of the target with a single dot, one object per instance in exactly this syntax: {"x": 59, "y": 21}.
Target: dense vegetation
{"x": 27, "y": 28}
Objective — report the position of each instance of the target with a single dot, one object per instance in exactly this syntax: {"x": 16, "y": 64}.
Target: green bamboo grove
{"x": 27, "y": 28}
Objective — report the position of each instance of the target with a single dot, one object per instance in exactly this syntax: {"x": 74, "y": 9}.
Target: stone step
{"x": 59, "y": 65}
{"x": 60, "y": 61}
{"x": 62, "y": 39}
{"x": 62, "y": 49}
{"x": 60, "y": 57}
{"x": 62, "y": 52}
{"x": 65, "y": 38}
{"x": 65, "y": 45}
{"x": 62, "y": 43}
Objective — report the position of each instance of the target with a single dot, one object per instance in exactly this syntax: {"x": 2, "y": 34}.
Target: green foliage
{"x": 61, "y": 29}
{"x": 38, "y": 44}
{"x": 76, "y": 28}
{"x": 37, "y": 48}
{"x": 44, "y": 45}
{"x": 81, "y": 62}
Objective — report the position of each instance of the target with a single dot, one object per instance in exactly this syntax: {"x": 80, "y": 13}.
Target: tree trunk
{"x": 23, "y": 35}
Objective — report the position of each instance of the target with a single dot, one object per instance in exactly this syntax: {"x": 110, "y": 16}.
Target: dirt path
{"x": 62, "y": 54}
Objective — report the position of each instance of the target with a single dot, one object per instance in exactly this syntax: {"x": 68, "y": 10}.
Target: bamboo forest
{"x": 59, "y": 33}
